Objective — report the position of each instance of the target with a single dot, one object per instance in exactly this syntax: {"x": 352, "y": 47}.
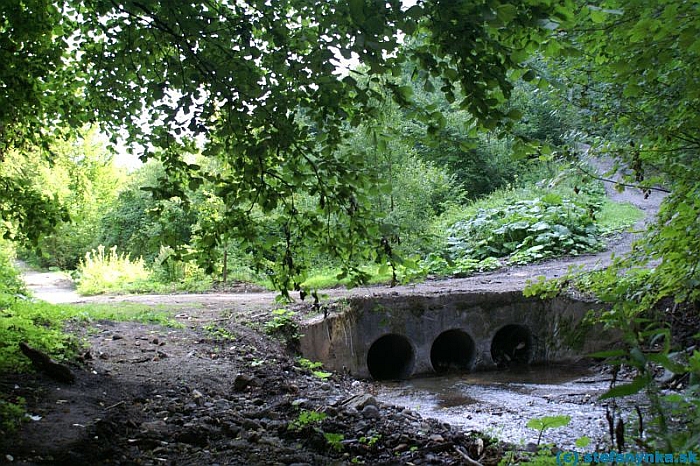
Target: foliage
{"x": 81, "y": 176}
{"x": 276, "y": 138}
{"x": 219, "y": 333}
{"x": 112, "y": 272}
{"x": 314, "y": 368}
{"x": 140, "y": 224}
{"x": 26, "y": 212}
{"x": 37, "y": 89}
{"x": 39, "y": 325}
{"x": 637, "y": 82}
{"x": 11, "y": 284}
{"x": 334, "y": 440}
{"x": 102, "y": 272}
{"x": 283, "y": 325}
{"x": 526, "y": 230}
{"x": 542, "y": 424}
{"x": 12, "y": 413}
{"x": 182, "y": 274}
{"x": 306, "y": 418}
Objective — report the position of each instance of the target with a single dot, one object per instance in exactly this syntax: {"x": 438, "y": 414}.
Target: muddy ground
{"x": 219, "y": 390}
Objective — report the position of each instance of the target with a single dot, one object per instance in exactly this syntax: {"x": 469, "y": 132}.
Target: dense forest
{"x": 299, "y": 145}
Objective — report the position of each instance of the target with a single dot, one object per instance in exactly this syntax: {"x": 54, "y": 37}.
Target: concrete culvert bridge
{"x": 452, "y": 350}
{"x": 391, "y": 357}
{"x": 511, "y": 345}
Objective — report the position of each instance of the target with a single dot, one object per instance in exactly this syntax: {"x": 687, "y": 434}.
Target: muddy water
{"x": 500, "y": 403}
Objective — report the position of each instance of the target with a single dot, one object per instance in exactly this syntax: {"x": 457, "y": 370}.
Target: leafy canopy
{"x": 261, "y": 86}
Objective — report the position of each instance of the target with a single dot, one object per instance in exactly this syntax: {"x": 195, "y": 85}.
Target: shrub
{"x": 101, "y": 273}
{"x": 525, "y": 231}
{"x": 11, "y": 284}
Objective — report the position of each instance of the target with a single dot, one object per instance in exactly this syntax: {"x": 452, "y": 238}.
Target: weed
{"x": 219, "y": 333}
{"x": 335, "y": 441}
{"x": 314, "y": 367}
{"x": 12, "y": 413}
{"x": 102, "y": 272}
{"x": 370, "y": 441}
{"x": 305, "y": 419}
{"x": 542, "y": 424}
{"x": 283, "y": 326}
{"x": 283, "y": 319}
{"x": 526, "y": 231}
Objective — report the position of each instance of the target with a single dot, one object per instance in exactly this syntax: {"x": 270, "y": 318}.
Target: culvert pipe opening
{"x": 452, "y": 350}
{"x": 391, "y": 357}
{"x": 512, "y": 345}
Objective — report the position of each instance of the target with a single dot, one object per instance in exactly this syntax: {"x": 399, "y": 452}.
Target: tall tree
{"x": 638, "y": 77}
{"x": 240, "y": 74}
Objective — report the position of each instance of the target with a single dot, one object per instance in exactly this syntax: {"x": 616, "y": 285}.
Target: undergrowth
{"x": 524, "y": 224}
{"x": 526, "y": 231}
{"x": 110, "y": 272}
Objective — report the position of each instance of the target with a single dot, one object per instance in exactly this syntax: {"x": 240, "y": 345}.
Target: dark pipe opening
{"x": 452, "y": 350}
{"x": 390, "y": 357}
{"x": 512, "y": 345}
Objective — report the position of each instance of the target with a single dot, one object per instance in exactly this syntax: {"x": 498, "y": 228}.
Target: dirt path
{"x": 219, "y": 390}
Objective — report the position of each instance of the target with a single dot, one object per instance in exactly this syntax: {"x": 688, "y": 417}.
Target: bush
{"x": 112, "y": 272}
{"x": 526, "y": 231}
{"x": 11, "y": 284}
{"x": 184, "y": 275}
{"x": 102, "y": 272}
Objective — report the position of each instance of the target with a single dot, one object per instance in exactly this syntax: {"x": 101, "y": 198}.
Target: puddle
{"x": 500, "y": 403}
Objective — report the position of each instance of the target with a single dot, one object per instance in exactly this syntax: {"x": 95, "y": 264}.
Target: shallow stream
{"x": 500, "y": 403}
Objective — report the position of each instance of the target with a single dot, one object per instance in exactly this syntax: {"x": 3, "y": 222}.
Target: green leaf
{"x": 597, "y": 16}
{"x": 506, "y": 12}
{"x": 549, "y": 422}
{"x": 357, "y": 10}
{"x": 637, "y": 385}
{"x": 583, "y": 442}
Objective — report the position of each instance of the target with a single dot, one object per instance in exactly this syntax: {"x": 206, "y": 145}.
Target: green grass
{"x": 328, "y": 277}
{"x": 614, "y": 216}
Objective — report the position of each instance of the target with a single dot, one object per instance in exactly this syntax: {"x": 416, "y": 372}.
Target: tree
{"x": 637, "y": 76}
{"x": 139, "y": 224}
{"x": 82, "y": 177}
{"x": 240, "y": 75}
{"x": 243, "y": 74}
{"x": 39, "y": 100}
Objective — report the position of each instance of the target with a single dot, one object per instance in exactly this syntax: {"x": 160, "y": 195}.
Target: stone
{"x": 371, "y": 412}
{"x": 532, "y": 447}
{"x": 358, "y": 402}
{"x": 242, "y": 381}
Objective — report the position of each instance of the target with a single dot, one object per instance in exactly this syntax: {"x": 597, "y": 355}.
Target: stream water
{"x": 500, "y": 403}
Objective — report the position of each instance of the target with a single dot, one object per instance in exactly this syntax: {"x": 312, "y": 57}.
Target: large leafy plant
{"x": 526, "y": 230}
